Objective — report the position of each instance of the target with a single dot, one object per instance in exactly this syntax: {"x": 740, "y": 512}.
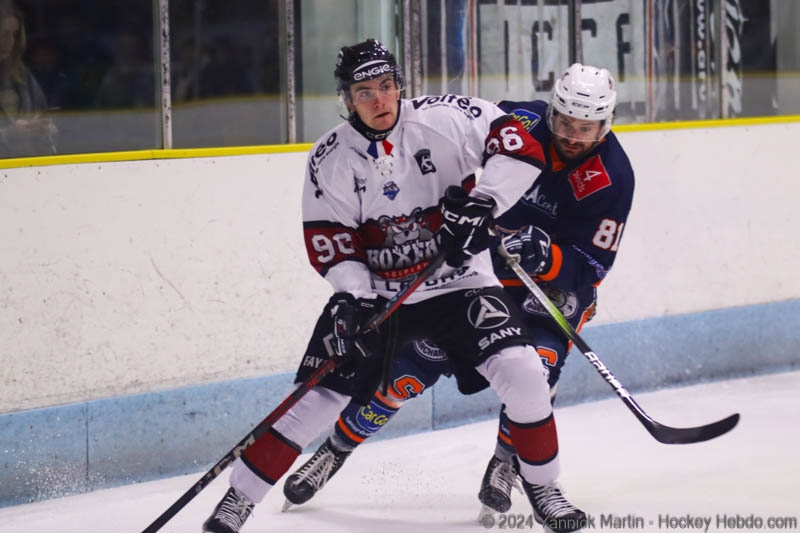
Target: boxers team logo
{"x": 400, "y": 246}
{"x": 487, "y": 312}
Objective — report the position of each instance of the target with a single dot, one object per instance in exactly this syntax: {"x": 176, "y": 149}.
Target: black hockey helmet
{"x": 364, "y": 61}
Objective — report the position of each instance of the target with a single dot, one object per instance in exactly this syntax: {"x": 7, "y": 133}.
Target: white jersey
{"x": 371, "y": 208}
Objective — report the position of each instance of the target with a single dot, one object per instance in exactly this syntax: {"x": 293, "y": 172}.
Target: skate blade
{"x": 286, "y": 506}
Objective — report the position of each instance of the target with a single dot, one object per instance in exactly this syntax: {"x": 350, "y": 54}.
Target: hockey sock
{"x": 271, "y": 455}
{"x": 339, "y": 443}
{"x": 357, "y": 423}
{"x": 537, "y": 442}
{"x": 504, "y": 450}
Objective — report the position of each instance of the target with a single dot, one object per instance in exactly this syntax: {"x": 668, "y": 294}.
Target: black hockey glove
{"x": 355, "y": 347}
{"x": 465, "y": 225}
{"x": 348, "y": 314}
{"x": 531, "y": 248}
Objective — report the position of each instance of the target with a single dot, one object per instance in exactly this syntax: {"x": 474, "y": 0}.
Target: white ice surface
{"x": 428, "y": 482}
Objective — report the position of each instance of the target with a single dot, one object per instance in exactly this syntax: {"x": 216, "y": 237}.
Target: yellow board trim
{"x": 140, "y": 155}
{"x": 697, "y": 124}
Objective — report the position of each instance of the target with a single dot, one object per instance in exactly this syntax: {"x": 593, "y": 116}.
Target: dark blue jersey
{"x": 582, "y": 204}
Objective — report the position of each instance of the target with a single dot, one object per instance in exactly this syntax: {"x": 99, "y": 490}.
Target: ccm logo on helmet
{"x": 372, "y": 72}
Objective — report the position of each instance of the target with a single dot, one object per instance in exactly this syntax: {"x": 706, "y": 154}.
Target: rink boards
{"x": 154, "y": 311}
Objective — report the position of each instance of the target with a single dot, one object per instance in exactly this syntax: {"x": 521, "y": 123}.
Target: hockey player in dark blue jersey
{"x": 566, "y": 231}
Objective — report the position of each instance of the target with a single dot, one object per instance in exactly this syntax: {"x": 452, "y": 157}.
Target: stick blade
{"x": 670, "y": 435}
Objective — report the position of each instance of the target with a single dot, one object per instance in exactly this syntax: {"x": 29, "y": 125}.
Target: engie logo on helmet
{"x": 382, "y": 67}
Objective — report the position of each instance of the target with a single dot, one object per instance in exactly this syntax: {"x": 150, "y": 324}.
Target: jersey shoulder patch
{"x": 589, "y": 178}
{"x": 527, "y": 118}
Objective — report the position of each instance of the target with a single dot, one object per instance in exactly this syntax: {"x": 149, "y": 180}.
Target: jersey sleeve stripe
{"x": 329, "y": 244}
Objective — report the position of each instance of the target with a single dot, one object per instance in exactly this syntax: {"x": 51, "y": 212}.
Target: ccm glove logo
{"x": 465, "y": 225}
{"x": 463, "y": 220}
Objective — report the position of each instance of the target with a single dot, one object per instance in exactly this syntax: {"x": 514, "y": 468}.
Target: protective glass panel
{"x": 85, "y": 79}
{"x": 324, "y": 27}
{"x": 82, "y": 76}
{"x": 522, "y": 48}
{"x": 785, "y": 18}
{"x": 226, "y": 73}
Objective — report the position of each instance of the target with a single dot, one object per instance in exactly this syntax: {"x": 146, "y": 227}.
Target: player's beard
{"x": 572, "y": 150}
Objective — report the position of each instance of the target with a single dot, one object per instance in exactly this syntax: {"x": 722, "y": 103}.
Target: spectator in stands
{"x": 225, "y": 73}
{"x": 130, "y": 82}
{"x": 25, "y": 130}
{"x": 45, "y": 60}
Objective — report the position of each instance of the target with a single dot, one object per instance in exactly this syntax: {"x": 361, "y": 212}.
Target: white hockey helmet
{"x": 585, "y": 93}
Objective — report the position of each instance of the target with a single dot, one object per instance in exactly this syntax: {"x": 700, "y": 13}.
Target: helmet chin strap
{"x": 370, "y": 133}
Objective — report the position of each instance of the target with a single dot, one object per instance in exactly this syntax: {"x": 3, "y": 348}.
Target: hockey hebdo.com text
{"x": 715, "y": 523}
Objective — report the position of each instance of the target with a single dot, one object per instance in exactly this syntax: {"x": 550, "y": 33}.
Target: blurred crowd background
{"x": 85, "y": 76}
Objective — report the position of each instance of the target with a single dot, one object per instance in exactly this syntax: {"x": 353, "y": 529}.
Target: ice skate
{"x": 229, "y": 514}
{"x": 312, "y": 476}
{"x": 498, "y": 480}
{"x": 552, "y": 510}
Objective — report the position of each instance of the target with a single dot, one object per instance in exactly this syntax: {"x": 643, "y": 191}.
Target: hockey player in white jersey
{"x": 385, "y": 193}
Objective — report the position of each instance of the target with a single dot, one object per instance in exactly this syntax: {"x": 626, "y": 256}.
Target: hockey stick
{"x": 662, "y": 433}
{"x": 310, "y": 382}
